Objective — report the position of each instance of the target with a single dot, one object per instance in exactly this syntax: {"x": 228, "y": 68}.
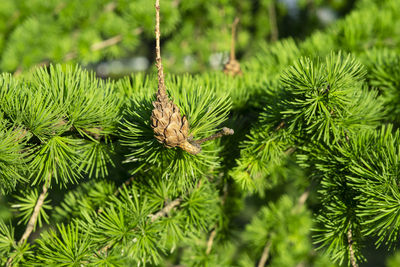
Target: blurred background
{"x": 116, "y": 37}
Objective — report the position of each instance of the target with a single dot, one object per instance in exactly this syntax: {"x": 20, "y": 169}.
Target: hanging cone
{"x": 170, "y": 128}
{"x": 233, "y": 66}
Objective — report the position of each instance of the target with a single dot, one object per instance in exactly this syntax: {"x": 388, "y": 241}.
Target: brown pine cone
{"x": 232, "y": 68}
{"x": 170, "y": 128}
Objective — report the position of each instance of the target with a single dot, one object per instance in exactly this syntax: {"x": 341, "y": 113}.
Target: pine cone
{"x": 170, "y": 128}
{"x": 232, "y": 68}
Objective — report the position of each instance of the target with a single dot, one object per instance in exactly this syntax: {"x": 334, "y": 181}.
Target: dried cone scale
{"x": 170, "y": 128}
{"x": 233, "y": 66}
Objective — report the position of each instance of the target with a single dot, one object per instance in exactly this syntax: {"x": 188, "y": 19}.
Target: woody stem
{"x": 224, "y": 131}
{"x": 232, "y": 52}
{"x": 161, "y": 82}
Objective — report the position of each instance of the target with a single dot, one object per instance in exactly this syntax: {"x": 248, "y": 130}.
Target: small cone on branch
{"x": 169, "y": 126}
{"x": 233, "y": 66}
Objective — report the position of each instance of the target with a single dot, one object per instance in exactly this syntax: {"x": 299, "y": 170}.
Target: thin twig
{"x": 32, "y": 221}
{"x": 161, "y": 82}
{"x": 353, "y": 260}
{"x": 224, "y": 131}
{"x": 280, "y": 126}
{"x": 290, "y": 150}
{"x": 272, "y": 21}
{"x": 211, "y": 241}
{"x": 232, "y": 56}
{"x": 35, "y": 214}
{"x": 110, "y": 7}
{"x": 166, "y": 210}
{"x": 302, "y": 200}
{"x": 303, "y": 197}
{"x": 106, "y": 43}
{"x": 265, "y": 255}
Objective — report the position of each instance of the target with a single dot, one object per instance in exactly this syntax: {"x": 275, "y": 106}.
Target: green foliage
{"x": 26, "y": 205}
{"x": 383, "y": 74}
{"x": 125, "y": 232}
{"x": 6, "y": 240}
{"x": 68, "y": 246}
{"x": 315, "y": 101}
{"x": 12, "y": 158}
{"x": 320, "y": 113}
{"x": 196, "y": 34}
{"x": 375, "y": 174}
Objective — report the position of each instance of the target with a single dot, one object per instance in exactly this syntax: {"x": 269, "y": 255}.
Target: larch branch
{"x": 161, "y": 82}
{"x": 303, "y": 197}
{"x": 232, "y": 56}
{"x": 224, "y": 131}
{"x": 353, "y": 260}
{"x": 265, "y": 255}
{"x": 272, "y": 21}
{"x": 211, "y": 241}
{"x": 35, "y": 214}
{"x": 32, "y": 221}
{"x": 166, "y": 210}
{"x": 106, "y": 43}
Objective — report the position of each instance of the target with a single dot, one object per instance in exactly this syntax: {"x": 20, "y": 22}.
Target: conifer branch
{"x": 110, "y": 7}
{"x": 272, "y": 21}
{"x": 280, "y": 126}
{"x": 169, "y": 207}
{"x": 211, "y": 241}
{"x": 32, "y": 221}
{"x": 290, "y": 150}
{"x": 265, "y": 255}
{"x": 224, "y": 131}
{"x": 303, "y": 198}
{"x": 35, "y": 214}
{"x": 232, "y": 55}
{"x": 352, "y": 257}
{"x": 233, "y": 66}
{"x": 97, "y": 46}
{"x": 118, "y": 191}
{"x": 166, "y": 210}
{"x": 106, "y": 43}
{"x": 160, "y": 71}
